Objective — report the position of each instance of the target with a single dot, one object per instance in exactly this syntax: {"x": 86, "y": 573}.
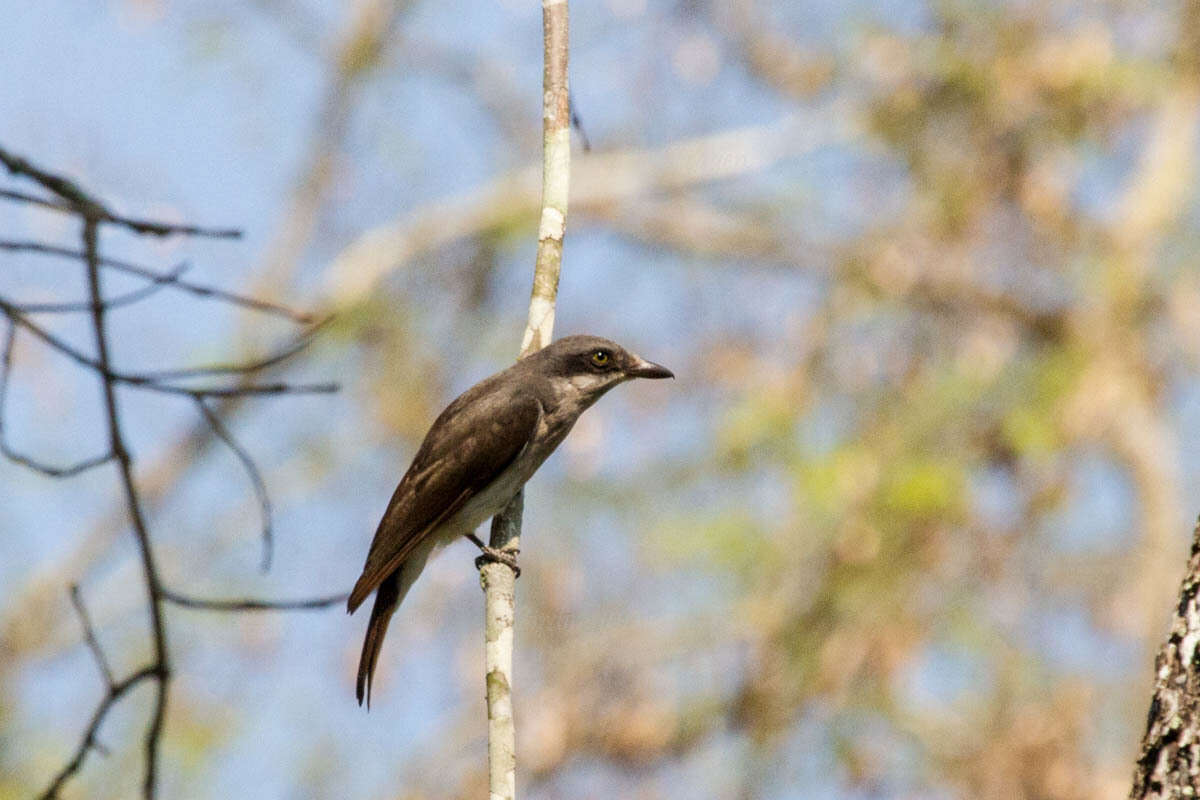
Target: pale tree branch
{"x": 599, "y": 180}
{"x": 499, "y": 579}
{"x": 369, "y": 28}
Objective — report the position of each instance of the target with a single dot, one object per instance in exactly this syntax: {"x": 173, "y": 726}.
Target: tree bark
{"x": 1169, "y": 762}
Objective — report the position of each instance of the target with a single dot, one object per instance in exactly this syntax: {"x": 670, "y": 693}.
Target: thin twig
{"x": 129, "y": 298}
{"x": 250, "y": 604}
{"x": 301, "y": 342}
{"x": 256, "y": 479}
{"x": 155, "y": 382}
{"x": 17, "y": 317}
{"x": 89, "y": 636}
{"x": 80, "y": 201}
{"x": 93, "y": 215}
{"x": 7, "y": 450}
{"x": 237, "y": 391}
{"x": 33, "y": 199}
{"x": 155, "y": 228}
{"x": 89, "y": 742}
{"x": 263, "y": 306}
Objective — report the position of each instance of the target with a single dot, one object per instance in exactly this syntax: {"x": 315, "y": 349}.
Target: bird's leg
{"x": 491, "y": 554}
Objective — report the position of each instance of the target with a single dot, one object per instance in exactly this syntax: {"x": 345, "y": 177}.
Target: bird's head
{"x": 590, "y": 365}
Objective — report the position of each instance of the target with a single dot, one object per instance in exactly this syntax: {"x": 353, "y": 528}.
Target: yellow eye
{"x": 600, "y": 358}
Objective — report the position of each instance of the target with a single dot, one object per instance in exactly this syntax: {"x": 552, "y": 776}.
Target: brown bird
{"x": 479, "y": 453}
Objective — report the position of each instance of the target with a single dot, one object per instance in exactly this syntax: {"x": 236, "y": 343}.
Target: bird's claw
{"x": 491, "y": 555}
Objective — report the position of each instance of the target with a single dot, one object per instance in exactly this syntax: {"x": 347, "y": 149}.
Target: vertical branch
{"x": 556, "y": 175}
{"x": 161, "y": 665}
{"x": 499, "y": 580}
{"x": 499, "y": 589}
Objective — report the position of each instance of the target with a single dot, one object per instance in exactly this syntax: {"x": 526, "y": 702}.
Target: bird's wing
{"x": 473, "y": 441}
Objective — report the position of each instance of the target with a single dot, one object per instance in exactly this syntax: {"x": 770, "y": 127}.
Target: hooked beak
{"x": 648, "y": 369}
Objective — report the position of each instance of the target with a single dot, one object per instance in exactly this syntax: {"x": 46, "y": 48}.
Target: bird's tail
{"x": 388, "y": 597}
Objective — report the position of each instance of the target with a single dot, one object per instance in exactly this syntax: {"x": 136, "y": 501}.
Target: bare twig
{"x": 33, "y": 199}
{"x": 129, "y": 298}
{"x": 301, "y": 342}
{"x": 196, "y": 289}
{"x": 239, "y": 390}
{"x": 157, "y": 381}
{"x": 89, "y": 636}
{"x": 93, "y": 215}
{"x": 256, "y": 479}
{"x": 115, "y": 693}
{"x": 250, "y": 604}
{"x": 77, "y": 200}
{"x": 7, "y": 450}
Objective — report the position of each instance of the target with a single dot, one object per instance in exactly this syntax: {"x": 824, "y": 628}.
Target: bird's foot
{"x": 491, "y": 555}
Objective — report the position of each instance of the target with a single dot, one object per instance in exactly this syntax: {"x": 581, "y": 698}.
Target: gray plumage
{"x": 477, "y": 455}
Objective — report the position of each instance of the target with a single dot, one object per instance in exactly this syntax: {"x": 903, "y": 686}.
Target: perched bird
{"x": 479, "y": 453}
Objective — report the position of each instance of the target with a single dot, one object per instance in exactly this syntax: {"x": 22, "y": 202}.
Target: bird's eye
{"x": 600, "y": 358}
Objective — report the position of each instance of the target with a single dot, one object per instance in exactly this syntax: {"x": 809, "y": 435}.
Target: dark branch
{"x": 247, "y": 604}
{"x": 90, "y": 208}
{"x": 170, "y": 229}
{"x": 235, "y": 391}
{"x": 162, "y": 664}
{"x": 115, "y": 693}
{"x": 260, "y": 487}
{"x": 94, "y": 214}
{"x": 199, "y": 290}
{"x": 89, "y": 636}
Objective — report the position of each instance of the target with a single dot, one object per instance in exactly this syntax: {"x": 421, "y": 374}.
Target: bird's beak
{"x": 648, "y": 369}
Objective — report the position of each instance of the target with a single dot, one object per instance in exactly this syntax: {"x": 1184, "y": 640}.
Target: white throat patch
{"x": 585, "y": 382}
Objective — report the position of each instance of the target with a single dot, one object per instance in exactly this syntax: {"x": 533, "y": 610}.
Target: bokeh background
{"x": 908, "y": 525}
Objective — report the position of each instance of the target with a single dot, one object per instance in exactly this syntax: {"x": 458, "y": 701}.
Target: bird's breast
{"x": 552, "y": 428}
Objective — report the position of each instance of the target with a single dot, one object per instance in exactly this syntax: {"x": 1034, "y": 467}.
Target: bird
{"x": 477, "y": 455}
